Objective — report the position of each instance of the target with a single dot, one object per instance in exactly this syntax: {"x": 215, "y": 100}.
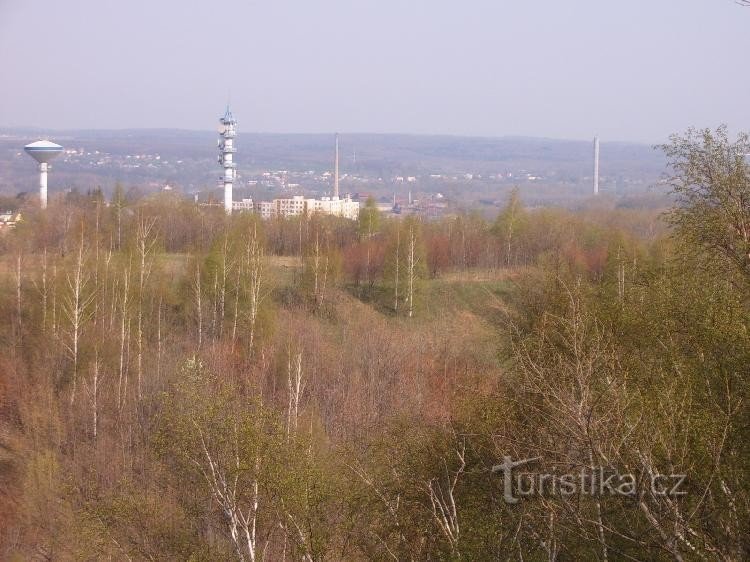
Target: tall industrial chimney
{"x": 336, "y": 170}
{"x": 43, "y": 152}
{"x": 596, "y": 165}
{"x": 227, "y": 132}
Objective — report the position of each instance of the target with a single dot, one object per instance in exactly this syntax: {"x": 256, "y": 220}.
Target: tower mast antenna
{"x": 227, "y": 133}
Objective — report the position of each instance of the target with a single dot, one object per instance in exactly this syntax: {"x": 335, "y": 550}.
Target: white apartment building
{"x": 290, "y": 207}
{"x": 244, "y": 205}
{"x": 334, "y": 206}
{"x": 265, "y": 209}
{"x": 299, "y": 205}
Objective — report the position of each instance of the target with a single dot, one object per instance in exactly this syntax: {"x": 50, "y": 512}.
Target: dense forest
{"x": 176, "y": 384}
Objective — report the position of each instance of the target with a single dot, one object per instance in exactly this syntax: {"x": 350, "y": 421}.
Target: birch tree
{"x": 118, "y": 204}
{"x": 224, "y": 443}
{"x": 394, "y": 265}
{"x": 412, "y": 261}
{"x": 92, "y": 390}
{"x": 123, "y": 300}
{"x": 42, "y": 288}
{"x": 443, "y": 497}
{"x": 255, "y": 264}
{"x": 295, "y": 388}
{"x": 507, "y": 225}
{"x": 368, "y": 224}
{"x": 406, "y": 265}
{"x": 322, "y": 264}
{"x": 145, "y": 243}
{"x": 255, "y": 473}
{"x": 77, "y": 310}
{"x": 198, "y": 301}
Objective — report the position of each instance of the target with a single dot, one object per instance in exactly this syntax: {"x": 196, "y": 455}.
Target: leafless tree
{"x": 43, "y": 288}
{"x": 227, "y": 492}
{"x": 254, "y": 259}
{"x": 93, "y": 392}
{"x": 124, "y": 312}
{"x": 295, "y": 387}
{"x": 145, "y": 242}
{"x": 412, "y": 262}
{"x": 197, "y": 300}
{"x": 76, "y": 308}
{"x": 442, "y": 494}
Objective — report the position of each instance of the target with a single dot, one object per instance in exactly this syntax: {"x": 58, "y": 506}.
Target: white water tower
{"x": 43, "y": 151}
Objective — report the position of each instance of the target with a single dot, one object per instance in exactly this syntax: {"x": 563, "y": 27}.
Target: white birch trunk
{"x": 255, "y": 270}
{"x": 76, "y": 311}
{"x": 295, "y": 388}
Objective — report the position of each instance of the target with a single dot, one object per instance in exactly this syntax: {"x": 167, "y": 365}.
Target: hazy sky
{"x": 627, "y": 70}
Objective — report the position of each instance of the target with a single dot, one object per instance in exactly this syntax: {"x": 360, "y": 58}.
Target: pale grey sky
{"x": 627, "y": 70}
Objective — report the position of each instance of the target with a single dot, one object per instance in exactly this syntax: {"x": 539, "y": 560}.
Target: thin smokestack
{"x": 596, "y": 165}
{"x": 336, "y": 170}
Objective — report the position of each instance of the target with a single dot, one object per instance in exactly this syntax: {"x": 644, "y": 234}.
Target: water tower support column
{"x": 43, "y": 184}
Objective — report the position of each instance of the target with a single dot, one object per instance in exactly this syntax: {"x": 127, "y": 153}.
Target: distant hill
{"x": 188, "y": 158}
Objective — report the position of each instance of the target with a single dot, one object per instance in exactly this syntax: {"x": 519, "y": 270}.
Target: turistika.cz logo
{"x": 589, "y": 481}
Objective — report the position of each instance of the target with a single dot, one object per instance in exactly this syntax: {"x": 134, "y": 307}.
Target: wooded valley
{"x": 176, "y": 384}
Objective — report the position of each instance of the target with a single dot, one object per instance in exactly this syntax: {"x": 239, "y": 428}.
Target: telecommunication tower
{"x": 227, "y": 133}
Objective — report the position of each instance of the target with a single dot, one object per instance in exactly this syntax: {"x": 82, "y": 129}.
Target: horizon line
{"x": 332, "y": 133}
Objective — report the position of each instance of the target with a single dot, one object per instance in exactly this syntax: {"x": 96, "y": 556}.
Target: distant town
{"x": 289, "y": 174}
